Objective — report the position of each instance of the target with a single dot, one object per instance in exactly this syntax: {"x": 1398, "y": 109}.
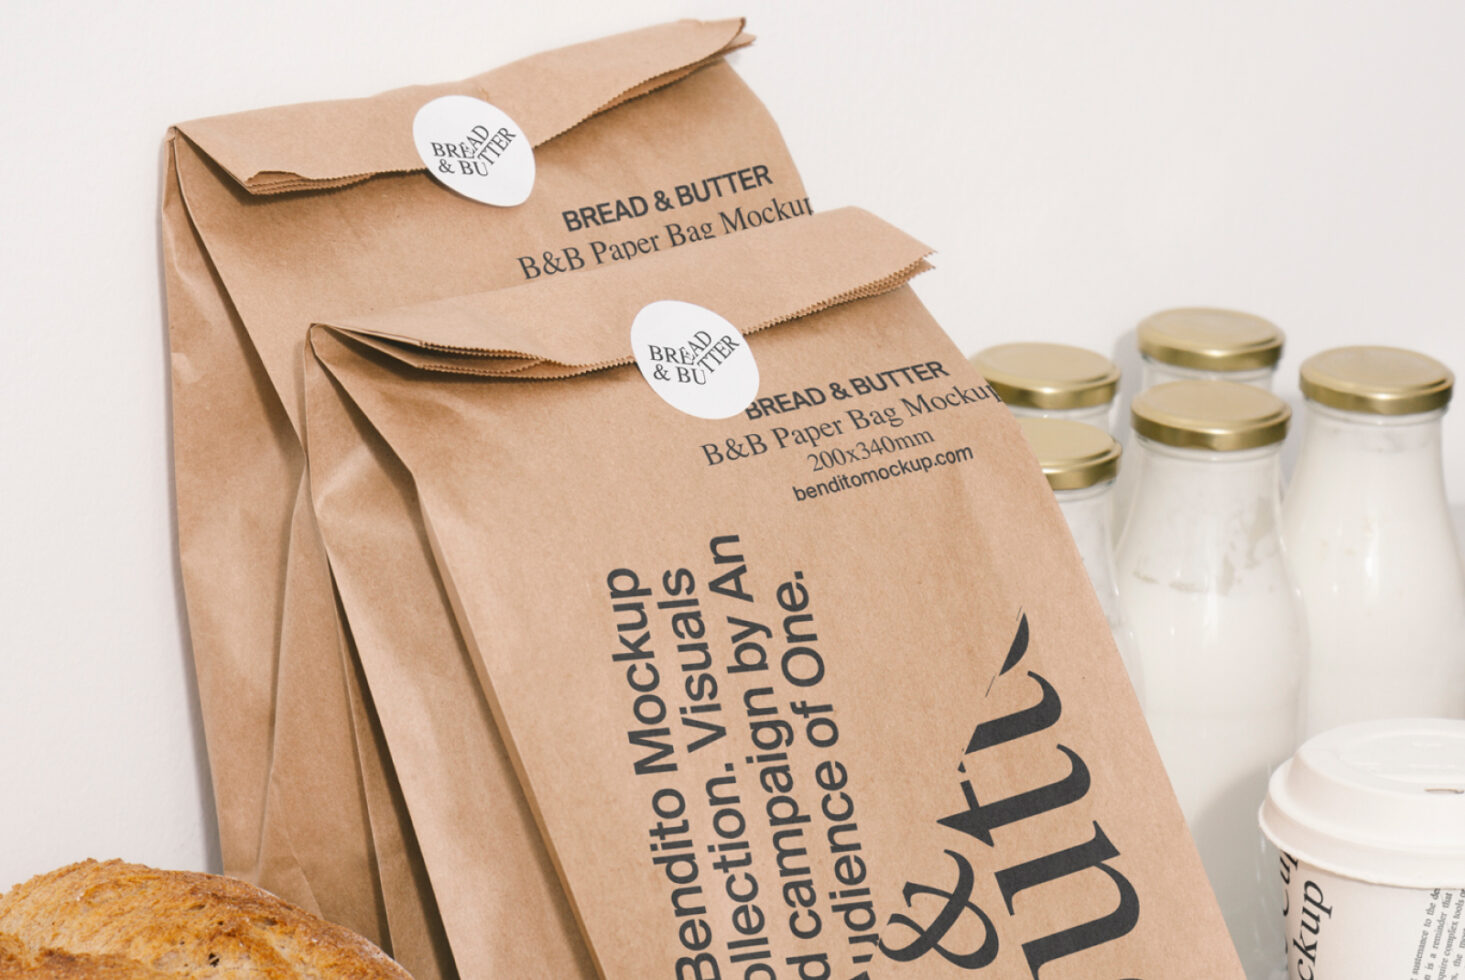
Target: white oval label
{"x": 694, "y": 359}
{"x": 474, "y": 148}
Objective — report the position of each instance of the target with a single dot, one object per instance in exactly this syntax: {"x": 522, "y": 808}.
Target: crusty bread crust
{"x": 102, "y": 919}
{"x": 18, "y": 962}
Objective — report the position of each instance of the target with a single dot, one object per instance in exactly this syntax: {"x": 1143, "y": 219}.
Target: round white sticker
{"x": 694, "y": 359}
{"x": 475, "y": 149}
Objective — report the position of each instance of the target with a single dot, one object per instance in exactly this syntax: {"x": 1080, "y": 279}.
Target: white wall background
{"x": 1076, "y": 164}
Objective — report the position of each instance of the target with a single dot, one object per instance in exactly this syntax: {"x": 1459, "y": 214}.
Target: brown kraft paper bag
{"x": 272, "y": 219}
{"x": 817, "y": 690}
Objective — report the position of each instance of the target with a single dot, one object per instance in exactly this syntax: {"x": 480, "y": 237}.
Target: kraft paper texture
{"x": 336, "y": 787}
{"x": 818, "y": 690}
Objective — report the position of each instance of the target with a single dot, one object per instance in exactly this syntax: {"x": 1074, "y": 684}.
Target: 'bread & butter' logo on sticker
{"x": 474, "y": 148}
{"x": 694, "y": 359}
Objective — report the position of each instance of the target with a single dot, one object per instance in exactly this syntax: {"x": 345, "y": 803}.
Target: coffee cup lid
{"x": 1379, "y": 801}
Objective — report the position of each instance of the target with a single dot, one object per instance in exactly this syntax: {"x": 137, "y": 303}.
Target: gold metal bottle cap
{"x": 1218, "y": 415}
{"x": 1377, "y": 380}
{"x": 1048, "y": 376}
{"x": 1074, "y": 455}
{"x": 1210, "y": 340}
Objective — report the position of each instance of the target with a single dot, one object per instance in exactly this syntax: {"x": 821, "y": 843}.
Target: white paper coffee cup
{"x": 1370, "y": 820}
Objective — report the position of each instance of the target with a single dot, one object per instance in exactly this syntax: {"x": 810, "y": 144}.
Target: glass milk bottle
{"x": 1080, "y": 462}
{"x": 1371, "y": 542}
{"x": 1219, "y": 630}
{"x": 1051, "y": 381}
{"x": 1198, "y": 344}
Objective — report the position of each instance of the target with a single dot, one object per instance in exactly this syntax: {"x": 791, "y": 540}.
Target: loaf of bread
{"x": 130, "y": 922}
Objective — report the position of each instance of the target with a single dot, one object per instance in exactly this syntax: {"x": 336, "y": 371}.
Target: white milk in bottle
{"x": 1219, "y": 629}
{"x": 1080, "y": 462}
{"x": 1039, "y": 380}
{"x": 1198, "y": 344}
{"x": 1371, "y": 543}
